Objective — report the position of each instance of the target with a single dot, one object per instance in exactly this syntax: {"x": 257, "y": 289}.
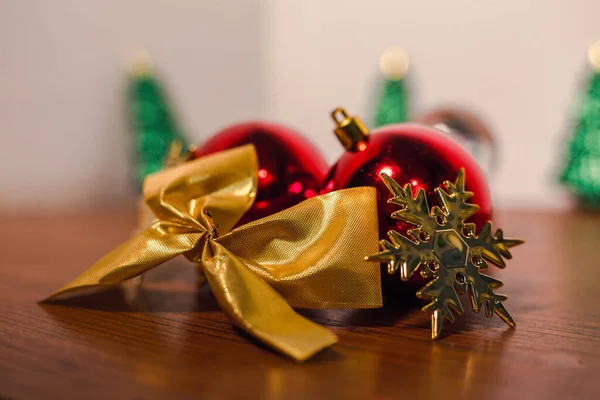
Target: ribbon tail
{"x": 255, "y": 307}
{"x": 151, "y": 247}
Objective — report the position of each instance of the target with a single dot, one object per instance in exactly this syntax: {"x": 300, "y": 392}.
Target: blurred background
{"x": 63, "y": 82}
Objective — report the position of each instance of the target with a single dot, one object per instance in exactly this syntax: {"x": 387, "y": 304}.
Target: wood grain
{"x": 169, "y": 339}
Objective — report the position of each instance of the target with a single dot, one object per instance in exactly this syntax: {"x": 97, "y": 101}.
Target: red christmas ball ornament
{"x": 291, "y": 169}
{"x": 409, "y": 153}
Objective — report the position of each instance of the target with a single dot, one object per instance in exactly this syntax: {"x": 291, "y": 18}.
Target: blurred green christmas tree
{"x": 154, "y": 126}
{"x": 581, "y": 172}
{"x": 392, "y": 107}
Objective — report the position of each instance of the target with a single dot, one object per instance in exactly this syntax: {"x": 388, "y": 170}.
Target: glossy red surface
{"x": 291, "y": 169}
{"x": 414, "y": 154}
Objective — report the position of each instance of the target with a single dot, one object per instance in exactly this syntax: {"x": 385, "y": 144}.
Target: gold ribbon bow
{"x": 308, "y": 256}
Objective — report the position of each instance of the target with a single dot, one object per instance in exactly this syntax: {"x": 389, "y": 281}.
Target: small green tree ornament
{"x": 581, "y": 172}
{"x": 392, "y": 107}
{"x": 153, "y": 123}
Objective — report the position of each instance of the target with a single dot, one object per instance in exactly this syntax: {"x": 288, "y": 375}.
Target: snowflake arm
{"x": 413, "y": 209}
{"x": 443, "y": 300}
{"x": 454, "y": 208}
{"x": 492, "y": 248}
{"x": 401, "y": 253}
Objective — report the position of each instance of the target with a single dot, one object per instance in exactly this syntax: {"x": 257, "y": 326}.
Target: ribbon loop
{"x": 222, "y": 184}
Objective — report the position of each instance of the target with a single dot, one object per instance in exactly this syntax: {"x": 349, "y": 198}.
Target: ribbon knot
{"x": 310, "y": 255}
{"x": 213, "y": 228}
{"x": 209, "y": 231}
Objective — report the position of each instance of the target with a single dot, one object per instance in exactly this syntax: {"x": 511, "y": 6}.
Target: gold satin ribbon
{"x": 309, "y": 256}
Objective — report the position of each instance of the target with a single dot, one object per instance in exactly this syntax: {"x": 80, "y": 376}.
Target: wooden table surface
{"x": 170, "y": 340}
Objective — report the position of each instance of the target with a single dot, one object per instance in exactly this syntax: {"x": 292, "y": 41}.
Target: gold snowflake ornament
{"x": 445, "y": 248}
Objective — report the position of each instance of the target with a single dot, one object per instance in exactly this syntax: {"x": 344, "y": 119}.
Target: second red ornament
{"x": 409, "y": 153}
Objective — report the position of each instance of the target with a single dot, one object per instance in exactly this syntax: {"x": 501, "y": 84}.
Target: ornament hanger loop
{"x": 336, "y": 113}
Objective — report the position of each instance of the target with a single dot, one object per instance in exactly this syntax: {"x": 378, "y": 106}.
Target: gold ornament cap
{"x": 350, "y": 131}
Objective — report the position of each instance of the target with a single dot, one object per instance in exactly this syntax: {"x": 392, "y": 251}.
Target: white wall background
{"x": 517, "y": 62}
{"x": 63, "y": 117}
{"x": 62, "y": 107}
